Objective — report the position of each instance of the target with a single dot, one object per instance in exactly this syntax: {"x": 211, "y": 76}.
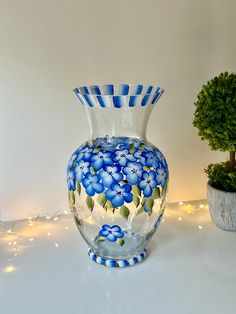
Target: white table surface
{"x": 191, "y": 268}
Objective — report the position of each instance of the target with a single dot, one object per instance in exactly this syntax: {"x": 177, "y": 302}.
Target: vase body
{"x": 117, "y": 180}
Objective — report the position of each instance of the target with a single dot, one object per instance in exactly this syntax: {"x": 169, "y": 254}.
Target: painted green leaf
{"x": 90, "y": 202}
{"x": 72, "y": 200}
{"x": 146, "y": 168}
{"x": 140, "y": 211}
{"x": 109, "y": 204}
{"x": 78, "y": 187}
{"x": 90, "y": 143}
{"x": 143, "y": 202}
{"x": 102, "y": 199}
{"x": 149, "y": 203}
{"x": 152, "y": 146}
{"x": 121, "y": 242}
{"x": 150, "y": 212}
{"x": 141, "y": 146}
{"x": 93, "y": 171}
{"x": 132, "y": 148}
{"x": 136, "y": 190}
{"x": 136, "y": 200}
{"x": 102, "y": 238}
{"x": 156, "y": 193}
{"x": 73, "y": 208}
{"x": 165, "y": 189}
{"x": 124, "y": 212}
{"x": 71, "y": 197}
{"x": 97, "y": 149}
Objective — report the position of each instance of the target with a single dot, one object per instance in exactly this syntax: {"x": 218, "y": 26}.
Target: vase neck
{"x": 118, "y": 109}
{"x": 113, "y": 122}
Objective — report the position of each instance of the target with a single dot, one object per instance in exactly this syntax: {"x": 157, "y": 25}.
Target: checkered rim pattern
{"x": 116, "y": 263}
{"x": 118, "y": 95}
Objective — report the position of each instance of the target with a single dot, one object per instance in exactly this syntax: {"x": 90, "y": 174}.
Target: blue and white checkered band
{"x": 118, "y": 95}
{"x": 116, "y": 263}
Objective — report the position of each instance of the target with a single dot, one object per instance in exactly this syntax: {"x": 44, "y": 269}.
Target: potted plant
{"x": 215, "y": 118}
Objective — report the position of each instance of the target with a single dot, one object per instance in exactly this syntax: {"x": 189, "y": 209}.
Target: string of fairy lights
{"x": 15, "y": 236}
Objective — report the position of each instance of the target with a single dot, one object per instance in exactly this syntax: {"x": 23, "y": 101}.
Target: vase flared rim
{"x": 107, "y": 95}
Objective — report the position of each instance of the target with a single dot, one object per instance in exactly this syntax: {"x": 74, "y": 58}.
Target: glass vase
{"x": 117, "y": 180}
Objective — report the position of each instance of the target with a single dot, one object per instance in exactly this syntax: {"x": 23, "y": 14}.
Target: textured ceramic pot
{"x": 222, "y": 207}
{"x": 117, "y": 180}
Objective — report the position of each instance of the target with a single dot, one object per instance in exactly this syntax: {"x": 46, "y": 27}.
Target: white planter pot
{"x": 222, "y": 207}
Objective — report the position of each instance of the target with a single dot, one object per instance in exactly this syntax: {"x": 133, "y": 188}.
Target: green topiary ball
{"x": 215, "y": 114}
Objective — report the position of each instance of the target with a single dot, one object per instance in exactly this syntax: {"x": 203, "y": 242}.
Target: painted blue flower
{"x": 101, "y": 159}
{"x": 71, "y": 180}
{"x": 111, "y": 175}
{"x": 140, "y": 156}
{"x": 136, "y": 143}
{"x": 92, "y": 185}
{"x": 133, "y": 172}
{"x": 126, "y": 141}
{"x": 85, "y": 153}
{"x": 148, "y": 183}
{"x": 160, "y": 157}
{"x": 122, "y": 146}
{"x": 161, "y": 176}
{"x": 123, "y": 156}
{"x": 81, "y": 169}
{"x": 151, "y": 160}
{"x": 118, "y": 194}
{"x": 111, "y": 233}
{"x": 148, "y": 148}
{"x": 71, "y": 161}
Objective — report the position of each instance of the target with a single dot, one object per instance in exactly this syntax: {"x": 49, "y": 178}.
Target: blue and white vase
{"x": 117, "y": 180}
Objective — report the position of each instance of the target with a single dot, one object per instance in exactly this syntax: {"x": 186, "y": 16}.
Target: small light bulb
{"x": 30, "y": 218}
{"x": 15, "y": 254}
{"x": 15, "y": 243}
{"x": 9, "y": 243}
{"x": 65, "y": 212}
{"x": 49, "y": 233}
{"x": 55, "y": 219}
{"x": 199, "y": 227}
{"x": 31, "y": 239}
{"x": 66, "y": 227}
{"x": 163, "y": 220}
{"x": 181, "y": 203}
{"x": 56, "y": 244}
{"x": 9, "y": 231}
{"x": 48, "y": 217}
{"x": 9, "y": 269}
{"x": 188, "y": 211}
{"x": 179, "y": 218}
{"x": 201, "y": 206}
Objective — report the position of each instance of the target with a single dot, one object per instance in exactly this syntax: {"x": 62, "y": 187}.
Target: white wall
{"x": 49, "y": 47}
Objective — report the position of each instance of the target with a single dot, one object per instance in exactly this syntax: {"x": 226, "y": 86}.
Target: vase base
{"x": 116, "y": 262}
